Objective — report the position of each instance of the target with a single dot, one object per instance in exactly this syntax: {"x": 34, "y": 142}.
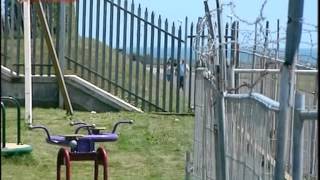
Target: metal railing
{"x": 3, "y": 117}
{"x": 250, "y": 136}
{"x": 112, "y": 45}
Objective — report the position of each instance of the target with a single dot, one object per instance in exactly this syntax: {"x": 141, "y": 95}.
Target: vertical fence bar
{"x": 70, "y": 13}
{"x": 277, "y": 57}
{"x": 104, "y": 36}
{"x": 197, "y": 64}
{"x": 110, "y": 45}
{"x": 158, "y": 63}
{"x": 188, "y": 161}
{"x": 97, "y": 42}
{"x": 185, "y": 59}
{"x": 41, "y": 52}
{"x": 287, "y": 77}
{"x": 202, "y": 39}
{"x": 231, "y": 80}
{"x": 237, "y": 56}
{"x": 172, "y": 68}
{"x": 90, "y": 40}
{"x": 297, "y": 169}
{"x": 254, "y": 54}
{"x": 314, "y": 138}
{"x": 138, "y": 56}
{"x": 6, "y": 30}
{"x": 56, "y": 24}
{"x": 191, "y": 65}
{"x": 2, "y": 24}
{"x": 116, "y": 72}
{"x": 131, "y": 48}
{"x": 34, "y": 39}
{"x": 226, "y": 40}
{"x": 76, "y": 36}
{"x": 179, "y": 75}
{"x": 185, "y": 39}
{"x": 84, "y": 10}
{"x": 49, "y": 19}
{"x": 14, "y": 29}
{"x": 62, "y": 30}
{"x": 124, "y": 46}
{"x": 144, "y": 68}
{"x": 164, "y": 89}
{"x": 264, "y": 61}
{"x": 151, "y": 60}
{"x": 313, "y": 148}
{"x": 19, "y": 36}
{"x": 12, "y": 19}
{"x": 3, "y": 125}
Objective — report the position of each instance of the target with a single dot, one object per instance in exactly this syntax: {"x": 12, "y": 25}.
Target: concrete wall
{"x": 83, "y": 95}
{"x": 44, "y": 90}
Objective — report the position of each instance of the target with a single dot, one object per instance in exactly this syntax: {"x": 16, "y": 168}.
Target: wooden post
{"x": 52, "y": 52}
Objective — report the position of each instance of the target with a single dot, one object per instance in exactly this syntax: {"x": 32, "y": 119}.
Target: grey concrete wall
{"x": 44, "y": 90}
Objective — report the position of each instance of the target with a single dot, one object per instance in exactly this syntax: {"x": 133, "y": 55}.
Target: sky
{"x": 176, "y": 11}
{"x": 246, "y": 9}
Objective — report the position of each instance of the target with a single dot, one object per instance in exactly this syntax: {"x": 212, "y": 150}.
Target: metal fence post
{"x": 231, "y": 80}
{"x": 294, "y": 27}
{"x": 220, "y": 106}
{"x": 198, "y": 121}
{"x": 187, "y": 167}
{"x": 297, "y": 169}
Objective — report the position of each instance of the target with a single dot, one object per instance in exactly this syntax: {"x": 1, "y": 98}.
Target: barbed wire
{"x": 261, "y": 40}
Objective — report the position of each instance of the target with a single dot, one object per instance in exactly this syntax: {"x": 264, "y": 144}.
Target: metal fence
{"x": 304, "y": 142}
{"x": 115, "y": 45}
{"x": 251, "y": 113}
{"x": 205, "y": 137}
{"x": 255, "y": 49}
{"x": 250, "y": 136}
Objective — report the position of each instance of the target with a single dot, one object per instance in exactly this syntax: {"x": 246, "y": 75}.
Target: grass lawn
{"x": 152, "y": 148}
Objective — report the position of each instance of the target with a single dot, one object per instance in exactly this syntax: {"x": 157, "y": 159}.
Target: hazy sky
{"x": 177, "y": 10}
{"x": 246, "y": 9}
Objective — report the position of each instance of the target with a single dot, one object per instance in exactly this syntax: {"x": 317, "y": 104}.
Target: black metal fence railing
{"x": 111, "y": 44}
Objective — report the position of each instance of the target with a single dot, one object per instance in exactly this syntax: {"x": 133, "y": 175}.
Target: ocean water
{"x": 307, "y": 56}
